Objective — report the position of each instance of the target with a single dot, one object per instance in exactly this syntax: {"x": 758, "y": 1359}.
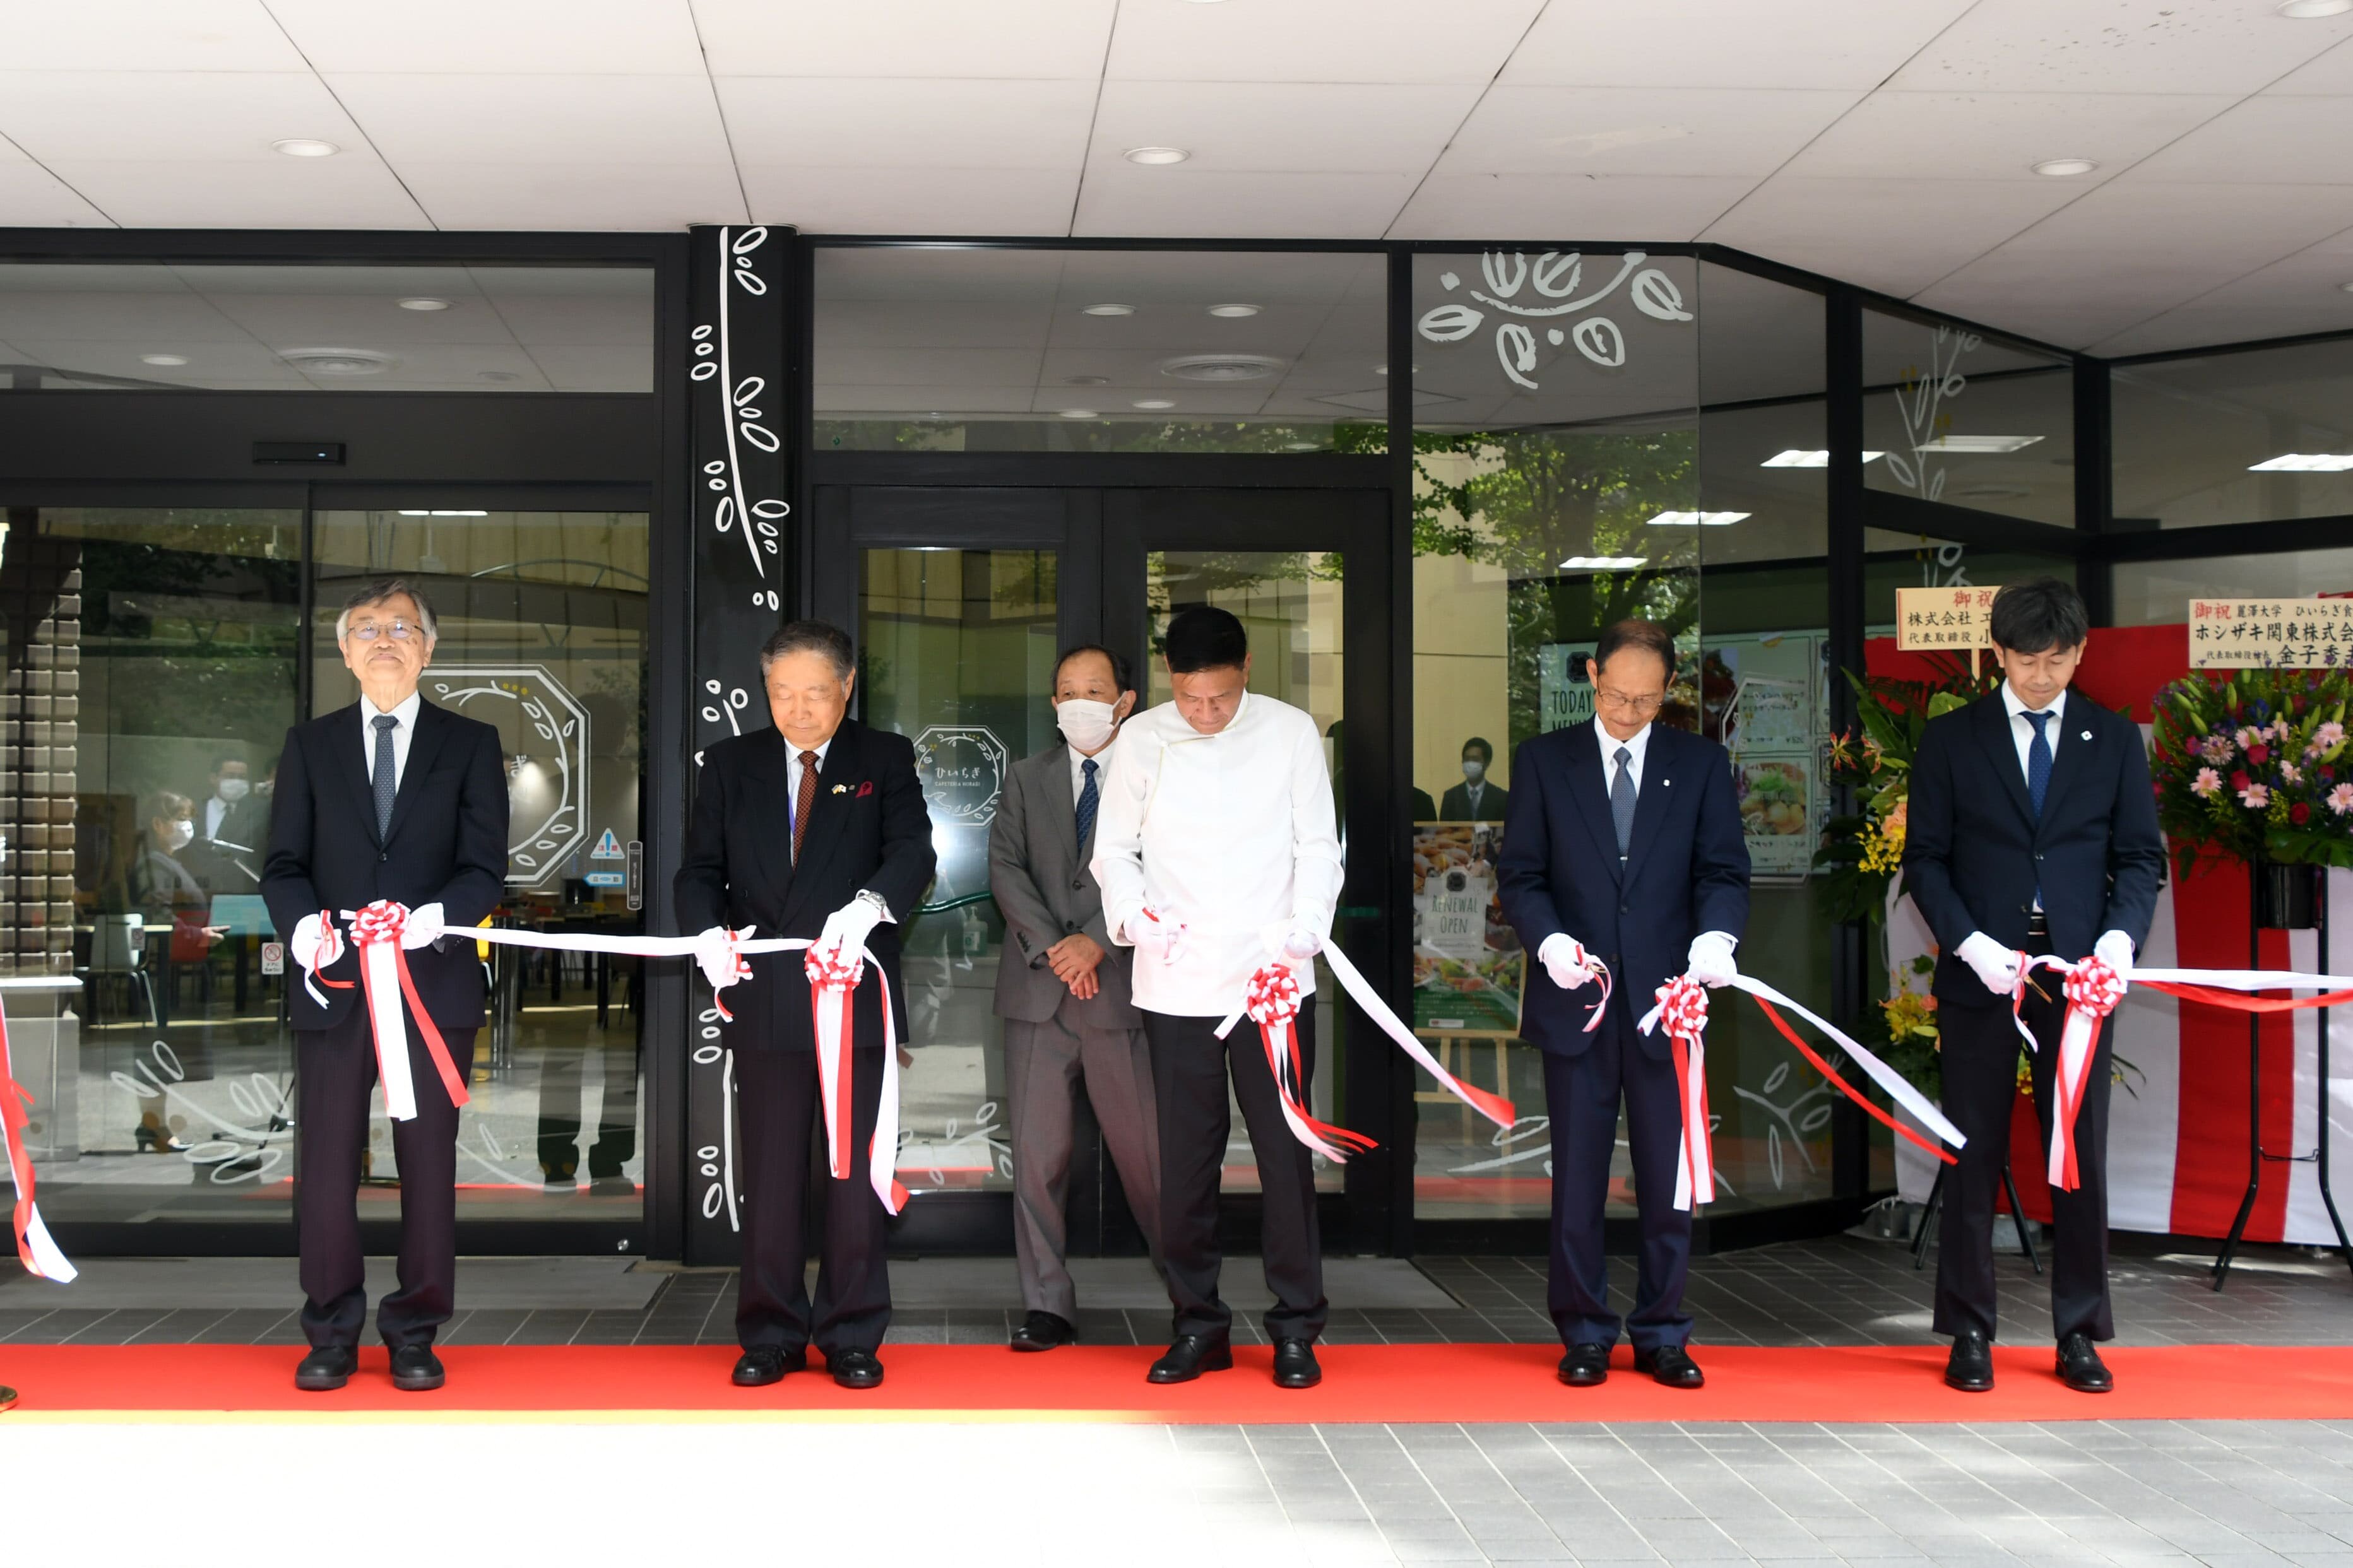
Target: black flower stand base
{"x": 7, "y": 1397}
{"x": 2018, "y": 1221}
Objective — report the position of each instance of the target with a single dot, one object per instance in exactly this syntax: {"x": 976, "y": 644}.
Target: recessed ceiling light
{"x": 2064, "y": 168}
{"x": 2305, "y": 10}
{"x": 1980, "y": 443}
{"x": 1086, "y": 381}
{"x": 1233, "y": 310}
{"x": 1696, "y": 519}
{"x": 2304, "y": 463}
{"x": 1079, "y": 414}
{"x": 1800, "y": 458}
{"x": 1221, "y": 367}
{"x": 306, "y": 147}
{"x": 1605, "y": 563}
{"x": 1154, "y": 403}
{"x": 2346, "y": 286}
{"x": 1157, "y": 154}
{"x": 1109, "y": 310}
{"x": 339, "y": 362}
{"x": 163, "y": 359}
{"x": 423, "y": 302}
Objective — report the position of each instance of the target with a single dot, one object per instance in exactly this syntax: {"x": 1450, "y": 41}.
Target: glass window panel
{"x": 2189, "y": 433}
{"x": 1972, "y": 421}
{"x": 2157, "y": 593}
{"x": 153, "y": 326}
{"x": 949, "y": 349}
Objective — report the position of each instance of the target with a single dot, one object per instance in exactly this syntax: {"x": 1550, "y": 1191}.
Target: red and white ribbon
{"x": 2093, "y": 989}
{"x": 325, "y": 955}
{"x": 1593, "y": 969}
{"x": 834, "y": 976}
{"x": 35, "y": 1248}
{"x": 1272, "y": 1000}
{"x": 386, "y": 981}
{"x": 1682, "y": 1013}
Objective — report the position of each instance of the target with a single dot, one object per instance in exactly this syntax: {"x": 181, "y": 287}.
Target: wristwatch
{"x": 882, "y": 905}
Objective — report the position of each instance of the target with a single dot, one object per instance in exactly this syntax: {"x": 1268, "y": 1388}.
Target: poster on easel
{"x": 1468, "y": 969}
{"x": 1766, "y": 704}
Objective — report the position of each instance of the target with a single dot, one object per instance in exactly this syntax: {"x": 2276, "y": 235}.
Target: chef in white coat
{"x": 1217, "y": 853}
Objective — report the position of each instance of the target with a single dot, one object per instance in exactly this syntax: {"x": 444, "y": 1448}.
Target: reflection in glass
{"x": 2234, "y": 437}
{"x": 1971, "y": 421}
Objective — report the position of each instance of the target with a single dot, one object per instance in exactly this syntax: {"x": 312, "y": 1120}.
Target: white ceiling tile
{"x": 1036, "y": 38}
{"x": 143, "y": 36}
{"x": 1127, "y": 200}
{"x": 2118, "y": 46}
{"x": 873, "y": 123}
{"x": 2131, "y": 225}
{"x": 1316, "y": 40}
{"x": 1631, "y": 131}
{"x": 543, "y": 195}
{"x": 558, "y": 38}
{"x": 595, "y": 367}
{"x": 1286, "y": 127}
{"x": 1578, "y": 207}
{"x": 612, "y": 119}
{"x": 1850, "y": 43}
{"x": 160, "y": 117}
{"x": 210, "y": 363}
{"x": 2043, "y": 298}
{"x": 113, "y": 317}
{"x": 1892, "y": 235}
{"x": 284, "y": 193}
{"x": 851, "y": 200}
{"x": 279, "y": 320}
{"x": 2279, "y": 140}
{"x": 2000, "y": 135}
{"x": 32, "y": 197}
{"x": 2330, "y": 72}
{"x": 2298, "y": 293}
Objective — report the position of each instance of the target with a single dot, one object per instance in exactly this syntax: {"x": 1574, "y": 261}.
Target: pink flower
{"x": 2289, "y": 773}
{"x": 2207, "y": 784}
{"x": 2340, "y": 799}
{"x": 2248, "y": 735}
{"x": 2329, "y": 734}
{"x": 2217, "y": 749}
{"x": 2255, "y": 796}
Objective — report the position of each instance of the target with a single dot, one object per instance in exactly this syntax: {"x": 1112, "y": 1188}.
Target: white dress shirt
{"x": 793, "y": 775}
{"x": 1640, "y": 746}
{"x": 2021, "y": 727}
{"x": 216, "y": 808}
{"x": 1102, "y": 761}
{"x": 1230, "y": 833}
{"x": 402, "y": 734}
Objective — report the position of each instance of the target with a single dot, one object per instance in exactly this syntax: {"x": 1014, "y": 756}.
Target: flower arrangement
{"x": 1862, "y": 853}
{"x": 2250, "y": 765}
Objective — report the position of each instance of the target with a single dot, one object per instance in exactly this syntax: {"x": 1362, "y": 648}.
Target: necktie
{"x": 1621, "y": 800}
{"x": 1087, "y": 800}
{"x": 2038, "y": 759}
{"x": 384, "y": 725}
{"x": 804, "y": 802}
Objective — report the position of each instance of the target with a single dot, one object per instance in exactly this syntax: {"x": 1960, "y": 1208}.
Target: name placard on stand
{"x": 2270, "y": 634}
{"x": 1944, "y": 620}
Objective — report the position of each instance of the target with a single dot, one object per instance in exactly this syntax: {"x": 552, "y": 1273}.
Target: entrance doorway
{"x": 961, "y": 598}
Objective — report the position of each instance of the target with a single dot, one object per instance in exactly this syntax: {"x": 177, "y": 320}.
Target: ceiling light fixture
{"x": 1154, "y": 403}
{"x": 305, "y": 147}
{"x": 1108, "y": 311}
{"x": 1157, "y": 155}
{"x": 1696, "y": 519}
{"x": 338, "y": 362}
{"x": 2064, "y": 168}
{"x": 1802, "y": 458}
{"x": 1221, "y": 367}
{"x": 2346, "y": 286}
{"x": 163, "y": 359}
{"x": 2304, "y": 463}
{"x": 1079, "y": 414}
{"x": 1086, "y": 381}
{"x": 439, "y": 512}
{"x": 1604, "y": 562}
{"x": 423, "y": 302}
{"x": 1980, "y": 443}
{"x": 1233, "y": 311}
{"x": 2306, "y": 10}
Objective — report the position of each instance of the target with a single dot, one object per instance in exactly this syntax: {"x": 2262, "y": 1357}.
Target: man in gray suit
{"x": 1062, "y": 991}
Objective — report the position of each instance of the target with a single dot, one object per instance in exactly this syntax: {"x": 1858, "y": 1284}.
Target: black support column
{"x": 1842, "y": 317}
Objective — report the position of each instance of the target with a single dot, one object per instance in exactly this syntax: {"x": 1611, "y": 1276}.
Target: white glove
{"x": 1710, "y": 959}
{"x": 316, "y": 943}
{"x": 1153, "y": 937}
{"x": 2115, "y": 949}
{"x": 1994, "y": 965}
{"x": 716, "y": 955}
{"x": 1564, "y": 959}
{"x": 1297, "y": 947}
{"x": 846, "y": 929}
{"x": 424, "y": 927}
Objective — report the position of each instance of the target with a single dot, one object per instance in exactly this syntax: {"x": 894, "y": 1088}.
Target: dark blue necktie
{"x": 1088, "y": 801}
{"x": 1621, "y": 800}
{"x": 2038, "y": 759}
{"x": 384, "y": 725}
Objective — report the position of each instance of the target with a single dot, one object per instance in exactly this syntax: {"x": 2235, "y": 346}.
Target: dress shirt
{"x": 1102, "y": 761}
{"x": 2021, "y": 727}
{"x": 402, "y": 733}
{"x": 1472, "y": 795}
{"x": 1639, "y": 745}
{"x": 216, "y": 808}
{"x": 1228, "y": 834}
{"x": 793, "y": 773}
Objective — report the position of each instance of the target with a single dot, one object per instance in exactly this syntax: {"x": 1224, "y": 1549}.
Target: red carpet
{"x": 1362, "y": 1383}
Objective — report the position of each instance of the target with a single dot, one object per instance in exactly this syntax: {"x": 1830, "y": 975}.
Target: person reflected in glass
{"x": 173, "y": 900}
{"x": 1475, "y": 799}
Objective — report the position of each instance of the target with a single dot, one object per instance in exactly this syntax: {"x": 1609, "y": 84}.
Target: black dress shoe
{"x": 1970, "y": 1366}
{"x": 2081, "y": 1367}
{"x": 1671, "y": 1365}
{"x": 1189, "y": 1357}
{"x": 1294, "y": 1365}
{"x": 855, "y": 1369}
{"x": 764, "y": 1364}
{"x": 417, "y": 1370}
{"x": 326, "y": 1368}
{"x": 1587, "y": 1365}
{"x": 1043, "y": 1331}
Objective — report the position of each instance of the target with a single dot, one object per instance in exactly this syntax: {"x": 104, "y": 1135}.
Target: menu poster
{"x": 1774, "y": 726}
{"x": 1469, "y": 970}
{"x": 2270, "y": 634}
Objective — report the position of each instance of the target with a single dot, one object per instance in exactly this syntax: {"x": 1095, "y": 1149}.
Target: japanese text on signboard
{"x": 2270, "y": 634}
{"x": 1928, "y": 619}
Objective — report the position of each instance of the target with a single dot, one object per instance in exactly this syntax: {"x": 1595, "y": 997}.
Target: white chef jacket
{"x": 1230, "y": 833}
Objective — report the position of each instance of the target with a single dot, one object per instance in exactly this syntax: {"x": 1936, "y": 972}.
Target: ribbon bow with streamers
{"x": 1682, "y": 1013}
{"x": 35, "y": 1248}
{"x": 2093, "y": 989}
{"x": 1272, "y": 1000}
{"x": 834, "y": 974}
{"x": 384, "y": 980}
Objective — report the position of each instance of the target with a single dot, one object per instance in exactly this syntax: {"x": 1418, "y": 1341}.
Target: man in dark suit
{"x": 1623, "y": 841}
{"x": 2032, "y": 828}
{"x": 815, "y": 829}
{"x": 1062, "y": 991}
{"x": 1475, "y": 799}
{"x": 390, "y": 798}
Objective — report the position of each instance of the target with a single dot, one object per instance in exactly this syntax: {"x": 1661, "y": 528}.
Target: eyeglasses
{"x": 1619, "y": 701}
{"x": 398, "y": 630}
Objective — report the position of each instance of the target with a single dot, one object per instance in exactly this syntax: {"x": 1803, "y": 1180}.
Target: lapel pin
{"x": 2087, "y": 734}
{"x": 841, "y": 789}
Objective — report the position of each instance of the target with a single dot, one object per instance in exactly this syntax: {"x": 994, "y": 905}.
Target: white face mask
{"x": 1085, "y": 724}
{"x": 1475, "y": 771}
{"x": 234, "y": 790}
{"x": 182, "y": 835}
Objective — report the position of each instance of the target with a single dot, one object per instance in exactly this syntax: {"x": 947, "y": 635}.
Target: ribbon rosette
{"x": 384, "y": 980}
{"x": 1271, "y": 999}
{"x": 2093, "y": 989}
{"x": 1683, "y": 1011}
{"x": 834, "y": 974}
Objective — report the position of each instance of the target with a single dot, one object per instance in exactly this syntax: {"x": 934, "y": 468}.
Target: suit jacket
{"x": 1974, "y": 851}
{"x": 1493, "y": 801}
{"x": 868, "y": 831}
{"x": 448, "y": 843}
{"x": 1686, "y": 872}
{"x": 1038, "y": 871}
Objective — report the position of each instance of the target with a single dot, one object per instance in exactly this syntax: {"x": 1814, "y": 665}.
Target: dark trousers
{"x": 1980, "y": 1049}
{"x": 335, "y": 1072}
{"x": 1581, "y": 1095}
{"x": 1188, "y": 1079}
{"x": 784, "y": 1151}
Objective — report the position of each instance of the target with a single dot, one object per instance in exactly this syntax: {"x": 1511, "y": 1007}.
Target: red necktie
{"x": 804, "y": 802}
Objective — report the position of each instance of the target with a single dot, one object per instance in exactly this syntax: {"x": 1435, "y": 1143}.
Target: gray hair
{"x": 811, "y": 636}
{"x": 384, "y": 588}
